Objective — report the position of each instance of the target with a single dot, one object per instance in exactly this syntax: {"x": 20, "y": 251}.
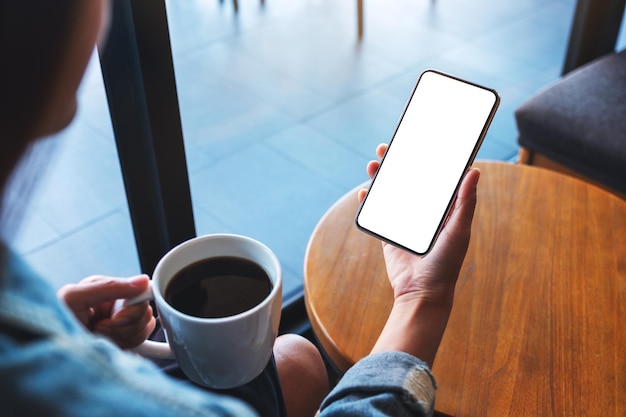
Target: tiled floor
{"x": 282, "y": 107}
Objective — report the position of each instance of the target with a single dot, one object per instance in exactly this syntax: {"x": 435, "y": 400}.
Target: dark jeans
{"x": 263, "y": 393}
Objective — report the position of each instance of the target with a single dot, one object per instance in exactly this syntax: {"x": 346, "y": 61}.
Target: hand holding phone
{"x": 435, "y": 142}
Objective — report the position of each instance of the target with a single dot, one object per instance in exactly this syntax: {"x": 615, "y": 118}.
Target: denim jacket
{"x": 383, "y": 384}
{"x": 51, "y": 366}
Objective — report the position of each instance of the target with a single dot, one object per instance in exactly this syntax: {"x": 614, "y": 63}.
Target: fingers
{"x": 129, "y": 327}
{"x": 97, "y": 290}
{"x": 131, "y": 314}
{"x": 381, "y": 149}
{"x": 372, "y": 167}
{"x": 92, "y": 299}
{"x": 361, "y": 195}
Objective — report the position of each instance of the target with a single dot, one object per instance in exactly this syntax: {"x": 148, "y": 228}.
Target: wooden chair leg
{"x": 236, "y": 5}
{"x": 528, "y": 157}
{"x": 525, "y": 156}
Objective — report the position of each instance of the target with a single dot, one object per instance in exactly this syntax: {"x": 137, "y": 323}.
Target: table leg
{"x": 594, "y": 31}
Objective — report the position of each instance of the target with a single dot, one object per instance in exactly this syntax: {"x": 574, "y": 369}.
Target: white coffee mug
{"x": 221, "y": 352}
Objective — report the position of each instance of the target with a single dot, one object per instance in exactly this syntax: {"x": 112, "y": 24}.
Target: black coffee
{"x": 218, "y": 287}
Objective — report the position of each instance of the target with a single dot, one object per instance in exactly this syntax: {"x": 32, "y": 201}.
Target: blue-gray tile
{"x": 83, "y": 182}
{"x": 32, "y": 233}
{"x": 104, "y": 247}
{"x": 495, "y": 151}
{"x": 229, "y": 65}
{"x": 329, "y": 63}
{"x": 362, "y": 122}
{"x": 325, "y": 157}
{"x": 219, "y": 119}
{"x": 539, "y": 39}
{"x": 262, "y": 194}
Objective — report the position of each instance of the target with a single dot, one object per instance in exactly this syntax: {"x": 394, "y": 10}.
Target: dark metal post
{"x": 140, "y": 86}
{"x": 594, "y": 31}
{"x": 138, "y": 74}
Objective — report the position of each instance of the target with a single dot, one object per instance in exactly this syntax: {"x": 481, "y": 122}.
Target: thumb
{"x": 466, "y": 199}
{"x": 459, "y": 224}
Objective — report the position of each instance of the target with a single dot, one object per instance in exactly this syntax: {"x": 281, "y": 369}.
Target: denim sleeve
{"x": 383, "y": 384}
{"x": 51, "y": 366}
{"x": 87, "y": 377}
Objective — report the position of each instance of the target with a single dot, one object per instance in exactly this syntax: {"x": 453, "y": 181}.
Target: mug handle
{"x": 149, "y": 348}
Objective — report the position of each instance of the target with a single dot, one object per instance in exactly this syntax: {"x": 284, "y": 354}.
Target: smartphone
{"x": 436, "y": 140}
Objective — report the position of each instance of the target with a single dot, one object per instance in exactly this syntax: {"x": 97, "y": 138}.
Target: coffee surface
{"x": 218, "y": 287}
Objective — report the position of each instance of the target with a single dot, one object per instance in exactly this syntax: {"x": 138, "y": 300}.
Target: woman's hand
{"x": 423, "y": 286}
{"x": 92, "y": 301}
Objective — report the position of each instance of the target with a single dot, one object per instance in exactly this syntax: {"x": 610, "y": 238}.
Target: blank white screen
{"x": 426, "y": 159}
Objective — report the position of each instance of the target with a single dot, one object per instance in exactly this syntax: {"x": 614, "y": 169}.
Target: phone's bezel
{"x": 470, "y": 161}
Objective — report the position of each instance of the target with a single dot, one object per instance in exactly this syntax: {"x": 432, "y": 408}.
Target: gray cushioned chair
{"x": 577, "y": 125}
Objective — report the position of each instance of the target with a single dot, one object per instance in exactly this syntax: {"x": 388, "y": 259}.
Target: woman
{"x": 51, "y": 360}
{"x": 46, "y": 358}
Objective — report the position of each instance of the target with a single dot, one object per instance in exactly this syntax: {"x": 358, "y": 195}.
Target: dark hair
{"x": 34, "y": 35}
{"x": 33, "y": 38}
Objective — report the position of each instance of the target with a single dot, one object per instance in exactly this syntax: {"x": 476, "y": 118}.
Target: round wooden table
{"x": 538, "y": 326}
